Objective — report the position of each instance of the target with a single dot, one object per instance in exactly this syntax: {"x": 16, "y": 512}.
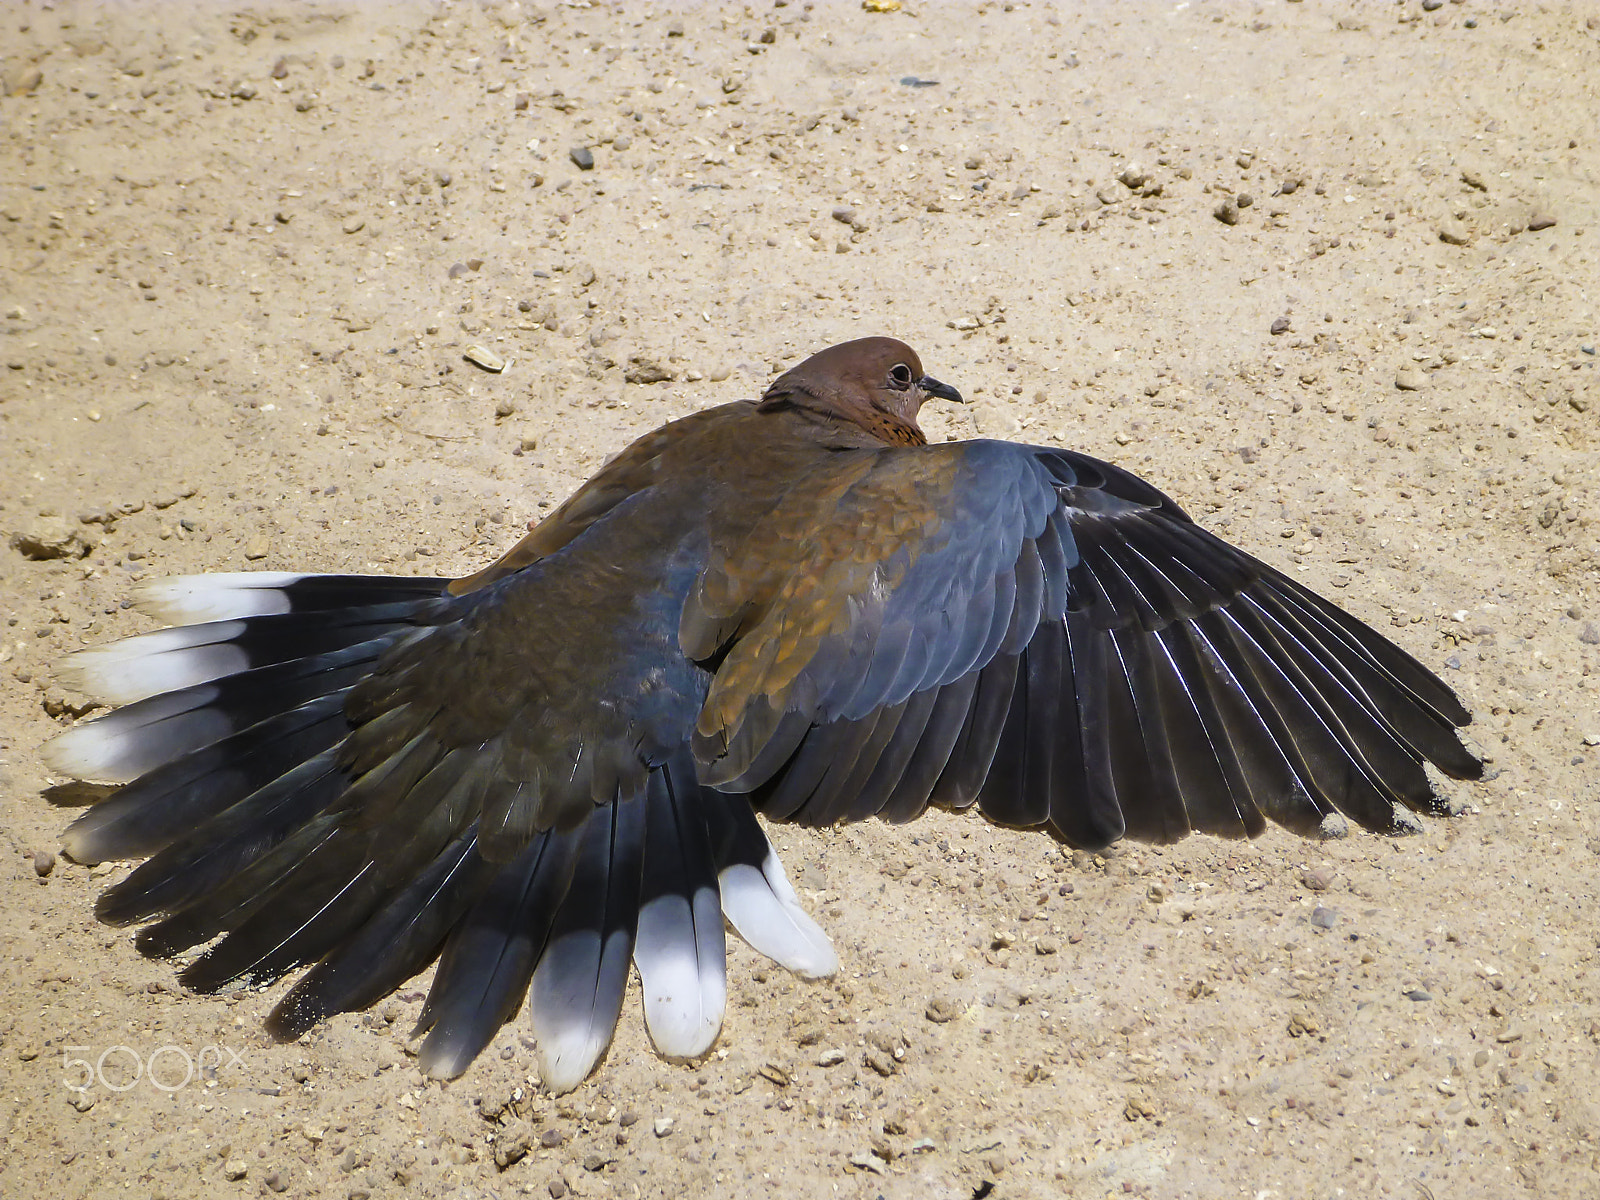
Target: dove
{"x": 550, "y": 774}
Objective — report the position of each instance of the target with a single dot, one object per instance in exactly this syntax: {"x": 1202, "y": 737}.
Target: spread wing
{"x": 1051, "y": 638}
{"x": 548, "y": 773}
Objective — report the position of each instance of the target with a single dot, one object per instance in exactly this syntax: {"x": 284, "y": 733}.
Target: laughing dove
{"x": 792, "y": 607}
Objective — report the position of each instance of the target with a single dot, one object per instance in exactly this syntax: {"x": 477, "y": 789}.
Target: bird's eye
{"x": 900, "y": 375}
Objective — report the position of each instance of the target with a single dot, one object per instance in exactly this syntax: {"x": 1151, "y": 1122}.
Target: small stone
{"x": 830, "y": 1058}
{"x": 1227, "y": 212}
{"x": 844, "y": 214}
{"x": 23, "y": 80}
{"x": 1303, "y": 1023}
{"x": 1317, "y": 879}
{"x": 1432, "y": 5}
{"x": 662, "y": 1126}
{"x": 1473, "y": 180}
{"x": 643, "y": 368}
{"x": 1409, "y": 379}
{"x": 1244, "y": 199}
{"x": 51, "y": 538}
{"x": 512, "y": 1145}
{"x": 1324, "y": 918}
{"x": 943, "y": 1008}
{"x": 551, "y": 1138}
{"x": 1133, "y": 177}
{"x": 1454, "y": 232}
{"x": 868, "y": 1161}
{"x": 44, "y": 861}
{"x": 582, "y": 158}
{"x": 1140, "y": 1106}
{"x": 354, "y": 224}
{"x": 1334, "y": 827}
{"x": 1281, "y": 325}
{"x": 257, "y": 547}
{"x": 1540, "y": 220}
{"x": 482, "y": 356}
{"x": 1418, "y": 995}
{"x": 276, "y": 1182}
{"x": 235, "y": 1169}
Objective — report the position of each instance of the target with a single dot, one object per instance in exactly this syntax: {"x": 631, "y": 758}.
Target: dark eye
{"x": 900, "y": 375}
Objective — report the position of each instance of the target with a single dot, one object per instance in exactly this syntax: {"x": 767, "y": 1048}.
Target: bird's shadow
{"x": 77, "y": 794}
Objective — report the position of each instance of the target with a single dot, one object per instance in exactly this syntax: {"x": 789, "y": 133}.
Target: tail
{"x": 257, "y": 828}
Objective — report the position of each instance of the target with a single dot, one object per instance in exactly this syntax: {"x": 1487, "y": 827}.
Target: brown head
{"x": 873, "y": 385}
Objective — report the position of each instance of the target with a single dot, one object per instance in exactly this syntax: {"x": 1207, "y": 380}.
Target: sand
{"x": 244, "y": 253}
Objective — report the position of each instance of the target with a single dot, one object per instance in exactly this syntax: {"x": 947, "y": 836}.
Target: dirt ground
{"x": 243, "y": 252}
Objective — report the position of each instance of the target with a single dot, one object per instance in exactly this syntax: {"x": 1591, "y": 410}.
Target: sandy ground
{"x": 244, "y": 253}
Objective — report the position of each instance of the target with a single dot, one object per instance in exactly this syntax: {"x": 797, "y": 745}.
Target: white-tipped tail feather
{"x": 681, "y": 956}
{"x": 187, "y": 599}
{"x": 121, "y": 746}
{"x": 573, "y": 1003}
{"x": 152, "y": 663}
{"x": 763, "y": 909}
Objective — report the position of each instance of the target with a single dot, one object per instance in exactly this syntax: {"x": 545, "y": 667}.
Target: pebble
{"x": 1133, "y": 177}
{"x": 1281, "y": 325}
{"x": 1317, "y": 879}
{"x": 1418, "y": 995}
{"x": 643, "y": 368}
{"x": 486, "y": 358}
{"x": 1324, "y": 918}
{"x": 51, "y": 538}
{"x": 1227, "y": 212}
{"x": 512, "y": 1146}
{"x": 235, "y": 1169}
{"x": 257, "y": 547}
{"x": 354, "y": 224}
{"x": 582, "y": 158}
{"x": 868, "y": 1161}
{"x": 44, "y": 861}
{"x": 943, "y": 1008}
{"x": 830, "y": 1058}
{"x": 844, "y": 214}
{"x": 1540, "y": 220}
{"x": 1454, "y": 233}
{"x": 1334, "y": 827}
{"x": 662, "y": 1126}
{"x": 1409, "y": 379}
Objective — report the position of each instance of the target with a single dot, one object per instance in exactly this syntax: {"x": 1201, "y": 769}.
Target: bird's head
{"x": 875, "y": 385}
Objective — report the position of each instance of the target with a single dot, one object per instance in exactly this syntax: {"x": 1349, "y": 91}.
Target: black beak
{"x": 929, "y": 386}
